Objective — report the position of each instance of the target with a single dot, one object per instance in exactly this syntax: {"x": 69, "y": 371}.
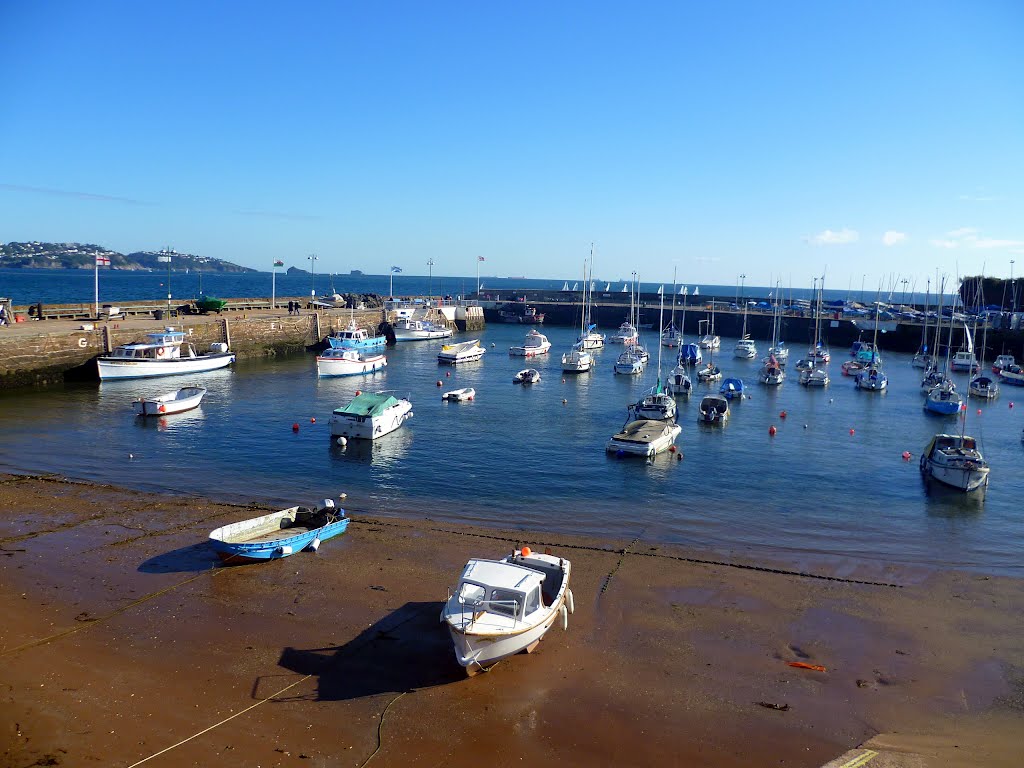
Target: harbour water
{"x": 831, "y": 482}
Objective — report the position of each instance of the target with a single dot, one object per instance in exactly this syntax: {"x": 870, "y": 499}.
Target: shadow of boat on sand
{"x": 406, "y": 650}
{"x": 191, "y": 559}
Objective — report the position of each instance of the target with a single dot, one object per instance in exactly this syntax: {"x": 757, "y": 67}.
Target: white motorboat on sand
{"x": 502, "y": 607}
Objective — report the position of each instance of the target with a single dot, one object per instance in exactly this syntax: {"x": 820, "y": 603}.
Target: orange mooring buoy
{"x": 295, "y": 427}
{"x": 906, "y": 455}
{"x": 851, "y": 430}
{"x": 782, "y": 415}
{"x": 358, "y": 392}
{"x": 439, "y": 382}
{"x": 772, "y": 430}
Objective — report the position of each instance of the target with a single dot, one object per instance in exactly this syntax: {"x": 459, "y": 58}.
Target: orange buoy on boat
{"x": 526, "y": 551}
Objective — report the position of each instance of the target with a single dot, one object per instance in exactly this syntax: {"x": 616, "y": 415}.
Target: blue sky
{"x": 875, "y": 140}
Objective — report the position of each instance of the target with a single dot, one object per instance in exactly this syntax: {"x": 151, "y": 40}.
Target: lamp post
{"x": 1013, "y": 290}
{"x": 905, "y": 281}
{"x": 312, "y": 276}
{"x": 742, "y": 284}
{"x": 165, "y": 255}
{"x": 430, "y": 278}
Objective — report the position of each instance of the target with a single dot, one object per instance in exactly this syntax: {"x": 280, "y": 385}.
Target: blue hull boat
{"x": 279, "y": 534}
{"x": 732, "y": 389}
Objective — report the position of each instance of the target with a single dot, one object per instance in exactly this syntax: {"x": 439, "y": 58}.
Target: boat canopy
{"x": 492, "y": 573}
{"x": 162, "y": 338}
{"x": 369, "y": 404}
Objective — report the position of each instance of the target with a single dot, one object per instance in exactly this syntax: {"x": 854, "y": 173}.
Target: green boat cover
{"x": 369, "y": 404}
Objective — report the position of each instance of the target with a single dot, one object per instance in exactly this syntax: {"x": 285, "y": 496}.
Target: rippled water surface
{"x": 520, "y": 457}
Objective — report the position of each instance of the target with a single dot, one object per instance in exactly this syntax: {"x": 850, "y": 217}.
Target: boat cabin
{"x": 506, "y": 593}
{"x": 162, "y": 345}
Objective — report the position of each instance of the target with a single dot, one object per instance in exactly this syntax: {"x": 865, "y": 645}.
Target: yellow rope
{"x": 226, "y": 719}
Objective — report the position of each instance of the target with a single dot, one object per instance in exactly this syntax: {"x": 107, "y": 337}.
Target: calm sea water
{"x": 521, "y": 457}
{"x": 63, "y": 286}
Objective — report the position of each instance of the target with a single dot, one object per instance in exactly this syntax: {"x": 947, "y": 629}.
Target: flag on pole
{"x": 102, "y": 261}
{"x": 278, "y": 263}
{"x": 396, "y": 269}
{"x": 480, "y": 258}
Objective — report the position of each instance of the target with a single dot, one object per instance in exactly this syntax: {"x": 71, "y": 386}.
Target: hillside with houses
{"x": 37, "y": 255}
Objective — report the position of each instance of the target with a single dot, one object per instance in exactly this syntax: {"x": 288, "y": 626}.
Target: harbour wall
{"x": 39, "y": 353}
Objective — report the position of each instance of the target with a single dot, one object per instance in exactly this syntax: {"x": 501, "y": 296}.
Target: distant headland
{"x": 36, "y": 255}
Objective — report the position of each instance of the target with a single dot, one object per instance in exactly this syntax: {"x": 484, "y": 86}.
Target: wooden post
{"x": 316, "y": 327}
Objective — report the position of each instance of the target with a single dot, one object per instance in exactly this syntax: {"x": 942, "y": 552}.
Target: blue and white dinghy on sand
{"x": 502, "y": 607}
{"x": 279, "y": 534}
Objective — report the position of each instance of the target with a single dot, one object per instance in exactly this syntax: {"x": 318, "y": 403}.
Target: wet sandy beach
{"x": 125, "y": 643}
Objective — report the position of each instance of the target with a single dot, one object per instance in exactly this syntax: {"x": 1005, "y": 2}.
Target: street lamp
{"x": 165, "y": 255}
{"x": 430, "y": 278}
{"x": 1013, "y": 290}
{"x": 742, "y": 279}
{"x": 312, "y": 275}
{"x": 905, "y": 281}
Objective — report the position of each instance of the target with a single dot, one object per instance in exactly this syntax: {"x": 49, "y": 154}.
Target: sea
{"x": 66, "y": 286}
{"x": 831, "y": 485}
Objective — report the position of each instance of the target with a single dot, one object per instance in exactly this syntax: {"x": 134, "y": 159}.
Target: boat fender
{"x": 284, "y": 550}
{"x": 565, "y": 617}
{"x": 160, "y": 352}
{"x": 569, "y": 601}
{"x": 314, "y": 545}
{"x": 342, "y": 442}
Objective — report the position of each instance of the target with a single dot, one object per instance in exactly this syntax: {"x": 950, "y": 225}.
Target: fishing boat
{"x": 347, "y": 361}
{"x": 520, "y": 313}
{"x": 370, "y": 415}
{"x": 732, "y": 389}
{"x": 459, "y": 395}
{"x": 462, "y": 352}
{"x": 1001, "y": 362}
{"x": 163, "y": 353}
{"x": 644, "y": 437}
{"x": 184, "y": 399}
{"x": 956, "y": 461}
{"x": 354, "y": 337}
{"x": 409, "y": 329}
{"x": 526, "y": 376}
{"x": 502, "y": 607}
{"x": 278, "y": 534}
{"x": 536, "y": 343}
{"x": 1012, "y": 375}
{"x": 714, "y": 409}
{"x": 815, "y": 377}
{"x": 965, "y": 360}
{"x": 626, "y": 334}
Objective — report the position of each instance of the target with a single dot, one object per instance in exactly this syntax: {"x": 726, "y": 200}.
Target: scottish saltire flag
{"x": 102, "y": 261}
{"x": 396, "y": 269}
{"x": 278, "y": 263}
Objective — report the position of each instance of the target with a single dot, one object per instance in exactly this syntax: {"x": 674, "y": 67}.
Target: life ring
{"x": 83, "y": 343}
{"x": 161, "y": 351}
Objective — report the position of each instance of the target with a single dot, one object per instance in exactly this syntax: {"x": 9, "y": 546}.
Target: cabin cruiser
{"x": 956, "y": 461}
{"x": 462, "y": 352}
{"x": 163, "y": 353}
{"x": 347, "y": 361}
{"x": 644, "y": 437}
{"x": 536, "y": 343}
{"x": 370, "y": 415}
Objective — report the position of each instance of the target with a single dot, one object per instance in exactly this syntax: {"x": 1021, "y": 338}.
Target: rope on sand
{"x": 380, "y": 727}
{"x": 225, "y": 720}
{"x": 680, "y": 558}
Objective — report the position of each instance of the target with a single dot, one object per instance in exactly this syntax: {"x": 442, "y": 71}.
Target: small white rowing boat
{"x": 185, "y": 399}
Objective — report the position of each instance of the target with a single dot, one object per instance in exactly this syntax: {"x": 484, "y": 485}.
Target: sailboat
{"x": 921, "y": 358}
{"x": 956, "y": 460}
{"x": 872, "y": 378}
{"x": 633, "y": 358}
{"x": 578, "y": 359}
{"x": 943, "y": 398}
{"x": 772, "y": 373}
{"x": 982, "y": 386}
{"x": 933, "y": 375}
{"x": 745, "y": 348}
{"x": 656, "y": 404}
{"x": 812, "y": 370}
{"x": 778, "y": 348}
{"x": 589, "y": 337}
{"x": 710, "y": 372}
{"x": 670, "y": 335}
{"x": 708, "y": 340}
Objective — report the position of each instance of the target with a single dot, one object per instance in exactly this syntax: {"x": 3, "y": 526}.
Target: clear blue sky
{"x": 880, "y": 140}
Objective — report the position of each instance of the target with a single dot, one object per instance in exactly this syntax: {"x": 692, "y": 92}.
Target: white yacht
{"x": 462, "y": 352}
{"x": 745, "y": 349}
{"x": 536, "y": 343}
{"x": 644, "y": 437}
{"x": 370, "y": 415}
{"x": 408, "y": 329}
{"x": 956, "y": 461}
{"x": 346, "y": 361}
